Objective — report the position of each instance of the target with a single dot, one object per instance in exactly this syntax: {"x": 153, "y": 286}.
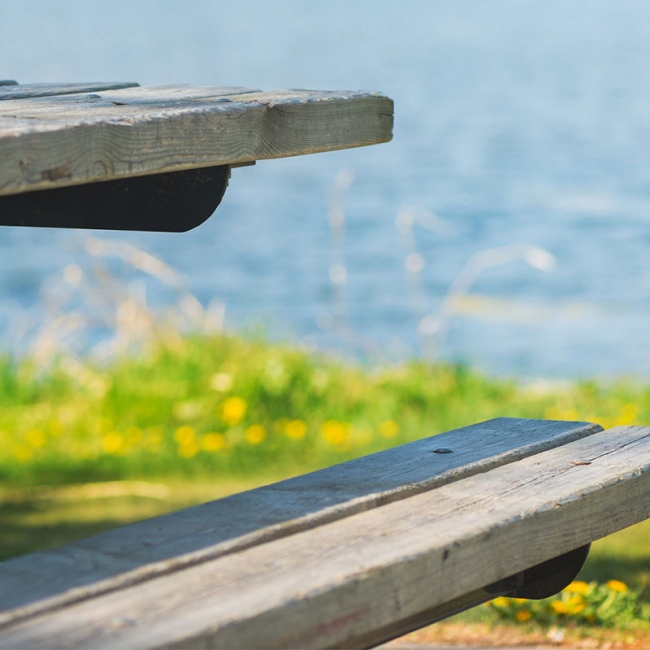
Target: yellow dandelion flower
{"x": 523, "y": 615}
{"x": 213, "y": 442}
{"x": 184, "y": 435}
{"x": 255, "y": 434}
{"x": 501, "y": 601}
{"x": 629, "y": 414}
{"x": 188, "y": 449}
{"x": 295, "y": 429}
{"x": 22, "y": 453}
{"x": 617, "y": 585}
{"x": 233, "y": 410}
{"x": 578, "y": 587}
{"x": 334, "y": 432}
{"x": 112, "y": 443}
{"x": 388, "y": 429}
{"x": 558, "y": 607}
{"x": 576, "y": 607}
{"x": 35, "y": 438}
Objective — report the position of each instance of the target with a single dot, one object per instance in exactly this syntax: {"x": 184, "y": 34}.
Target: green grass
{"x": 36, "y": 519}
{"x": 228, "y": 406}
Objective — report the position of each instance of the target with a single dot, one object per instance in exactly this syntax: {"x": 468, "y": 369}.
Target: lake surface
{"x": 514, "y": 122}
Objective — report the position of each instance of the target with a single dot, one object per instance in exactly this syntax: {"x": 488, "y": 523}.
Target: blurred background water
{"x": 514, "y": 122}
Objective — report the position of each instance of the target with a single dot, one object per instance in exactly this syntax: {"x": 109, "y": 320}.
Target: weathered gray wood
{"x": 133, "y": 99}
{"x": 337, "y": 584}
{"x": 66, "y": 140}
{"x": 15, "y": 91}
{"x": 165, "y": 544}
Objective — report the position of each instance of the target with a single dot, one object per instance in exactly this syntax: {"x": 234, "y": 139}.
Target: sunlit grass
{"x": 39, "y": 518}
{"x": 226, "y": 405}
{"x": 219, "y": 404}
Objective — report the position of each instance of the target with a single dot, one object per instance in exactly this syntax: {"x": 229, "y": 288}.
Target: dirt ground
{"x": 504, "y": 636}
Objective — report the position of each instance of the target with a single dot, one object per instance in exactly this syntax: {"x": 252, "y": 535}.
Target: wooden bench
{"x": 348, "y": 556}
{"x": 352, "y": 555}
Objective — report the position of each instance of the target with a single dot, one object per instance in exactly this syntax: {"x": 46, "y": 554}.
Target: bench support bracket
{"x": 548, "y": 578}
{"x": 540, "y": 581}
{"x": 170, "y": 202}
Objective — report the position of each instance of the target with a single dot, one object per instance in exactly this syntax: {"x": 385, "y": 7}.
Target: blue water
{"x": 514, "y": 122}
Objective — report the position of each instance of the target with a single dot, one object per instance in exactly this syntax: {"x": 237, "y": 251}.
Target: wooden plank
{"x": 15, "y": 91}
{"x": 338, "y": 584}
{"x": 81, "y": 139}
{"x": 165, "y": 544}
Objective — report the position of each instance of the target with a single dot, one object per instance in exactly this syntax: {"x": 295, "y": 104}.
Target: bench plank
{"x": 349, "y": 583}
{"x": 67, "y": 140}
{"x": 157, "y": 546}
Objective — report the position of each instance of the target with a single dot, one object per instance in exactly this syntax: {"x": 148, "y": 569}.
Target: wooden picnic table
{"x": 122, "y": 157}
{"x": 349, "y": 556}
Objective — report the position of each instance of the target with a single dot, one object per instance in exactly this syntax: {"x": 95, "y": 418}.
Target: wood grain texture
{"x": 16, "y": 91}
{"x": 332, "y": 586}
{"x": 61, "y": 107}
{"x": 71, "y": 139}
{"x": 169, "y": 543}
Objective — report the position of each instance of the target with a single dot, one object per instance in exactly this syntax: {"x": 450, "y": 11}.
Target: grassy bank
{"x": 228, "y": 406}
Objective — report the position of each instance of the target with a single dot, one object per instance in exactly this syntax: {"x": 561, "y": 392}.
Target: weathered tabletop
{"x": 57, "y": 136}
